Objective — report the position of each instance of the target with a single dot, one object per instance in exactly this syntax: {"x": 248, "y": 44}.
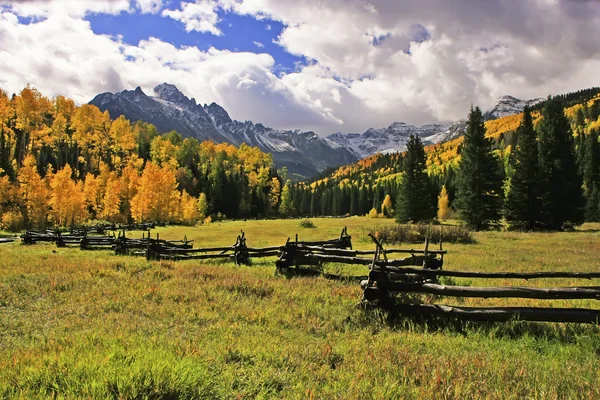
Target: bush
{"x": 12, "y": 221}
{"x": 416, "y": 233}
{"x": 307, "y": 223}
{"x": 207, "y": 220}
{"x": 373, "y": 213}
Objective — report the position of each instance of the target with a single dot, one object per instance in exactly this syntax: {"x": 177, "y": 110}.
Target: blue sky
{"x": 240, "y": 33}
{"x": 326, "y": 65}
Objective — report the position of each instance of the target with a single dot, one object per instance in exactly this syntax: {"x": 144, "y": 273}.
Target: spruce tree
{"x": 522, "y": 207}
{"x": 479, "y": 182}
{"x": 561, "y": 198}
{"x": 591, "y": 176}
{"x": 414, "y": 200}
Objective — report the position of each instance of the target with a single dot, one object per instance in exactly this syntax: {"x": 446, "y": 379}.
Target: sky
{"x": 321, "y": 65}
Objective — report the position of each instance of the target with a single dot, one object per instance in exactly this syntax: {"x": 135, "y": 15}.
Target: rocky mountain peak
{"x": 217, "y": 113}
{"x": 169, "y": 92}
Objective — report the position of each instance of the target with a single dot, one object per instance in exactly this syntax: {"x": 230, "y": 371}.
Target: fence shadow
{"x": 564, "y": 333}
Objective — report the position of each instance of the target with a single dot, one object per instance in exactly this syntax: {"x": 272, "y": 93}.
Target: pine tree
{"x": 561, "y": 197}
{"x": 522, "y": 207}
{"x": 414, "y": 200}
{"x": 591, "y": 176}
{"x": 354, "y": 200}
{"x": 479, "y": 183}
{"x": 315, "y": 201}
{"x": 363, "y": 200}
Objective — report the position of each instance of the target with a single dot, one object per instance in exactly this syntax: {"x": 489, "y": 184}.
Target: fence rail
{"x": 388, "y": 280}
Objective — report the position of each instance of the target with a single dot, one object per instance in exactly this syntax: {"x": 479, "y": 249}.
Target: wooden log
{"x": 315, "y": 258}
{"x": 392, "y": 267}
{"x": 264, "y": 254}
{"x": 565, "y": 293}
{"x": 194, "y": 257}
{"x": 190, "y": 251}
{"x": 261, "y": 249}
{"x": 503, "y": 314}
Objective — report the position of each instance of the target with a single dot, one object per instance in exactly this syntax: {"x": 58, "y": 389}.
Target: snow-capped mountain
{"x": 303, "y": 153}
{"x": 508, "y": 105}
{"x": 393, "y": 138}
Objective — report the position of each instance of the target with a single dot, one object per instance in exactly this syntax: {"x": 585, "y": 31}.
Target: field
{"x": 77, "y": 324}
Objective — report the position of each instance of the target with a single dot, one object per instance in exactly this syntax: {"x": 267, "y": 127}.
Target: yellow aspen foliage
{"x": 111, "y": 203}
{"x": 444, "y": 210}
{"x": 93, "y": 194}
{"x": 155, "y": 195}
{"x": 386, "y": 207}
{"x": 274, "y": 192}
{"x": 202, "y": 206}
{"x": 34, "y": 193}
{"x": 189, "y": 209}
{"x": 175, "y": 211}
{"x": 373, "y": 213}
{"x": 67, "y": 199}
{"x": 122, "y": 138}
{"x": 129, "y": 184}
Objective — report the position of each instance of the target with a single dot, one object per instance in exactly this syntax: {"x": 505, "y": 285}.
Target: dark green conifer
{"x": 522, "y": 207}
{"x": 414, "y": 200}
{"x": 479, "y": 182}
{"x": 562, "y": 197}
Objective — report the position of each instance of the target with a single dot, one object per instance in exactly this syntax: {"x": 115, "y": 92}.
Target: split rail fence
{"x": 388, "y": 285}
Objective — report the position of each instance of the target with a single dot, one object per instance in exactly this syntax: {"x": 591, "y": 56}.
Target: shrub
{"x": 307, "y": 223}
{"x": 12, "y": 221}
{"x": 416, "y": 233}
{"x": 373, "y": 213}
{"x": 207, "y": 220}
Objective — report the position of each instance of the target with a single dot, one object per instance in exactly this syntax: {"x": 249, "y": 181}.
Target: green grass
{"x": 77, "y": 324}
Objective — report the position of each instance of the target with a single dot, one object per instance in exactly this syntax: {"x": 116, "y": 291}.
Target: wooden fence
{"x": 389, "y": 280}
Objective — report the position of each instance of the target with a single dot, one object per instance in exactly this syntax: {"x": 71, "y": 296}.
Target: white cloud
{"x": 62, "y": 55}
{"x": 44, "y": 8}
{"x": 149, "y": 6}
{"x": 268, "y": 27}
{"x": 200, "y": 16}
{"x": 258, "y": 44}
{"x": 369, "y": 64}
{"x": 430, "y": 60}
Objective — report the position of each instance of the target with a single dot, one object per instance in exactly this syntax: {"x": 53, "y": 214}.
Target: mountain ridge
{"x": 303, "y": 153}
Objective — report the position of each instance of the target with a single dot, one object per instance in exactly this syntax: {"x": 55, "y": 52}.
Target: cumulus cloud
{"x": 149, "y": 6}
{"x": 200, "y": 16}
{"x": 62, "y": 55}
{"x": 369, "y": 64}
{"x": 430, "y": 60}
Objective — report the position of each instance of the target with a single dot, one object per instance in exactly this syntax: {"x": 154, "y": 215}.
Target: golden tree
{"x": 67, "y": 200}
{"x": 34, "y": 192}
{"x": 386, "y": 207}
{"x": 189, "y": 209}
{"x": 444, "y": 210}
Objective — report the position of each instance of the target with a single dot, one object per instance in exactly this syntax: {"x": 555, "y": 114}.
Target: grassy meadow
{"x": 89, "y": 324}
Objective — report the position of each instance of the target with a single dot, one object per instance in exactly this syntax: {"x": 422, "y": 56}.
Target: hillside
{"x": 363, "y": 185}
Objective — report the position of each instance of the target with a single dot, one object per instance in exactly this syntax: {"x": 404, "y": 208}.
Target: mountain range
{"x": 303, "y": 153}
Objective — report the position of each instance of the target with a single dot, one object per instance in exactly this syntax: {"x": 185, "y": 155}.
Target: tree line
{"x": 546, "y": 178}
{"x": 64, "y": 165}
